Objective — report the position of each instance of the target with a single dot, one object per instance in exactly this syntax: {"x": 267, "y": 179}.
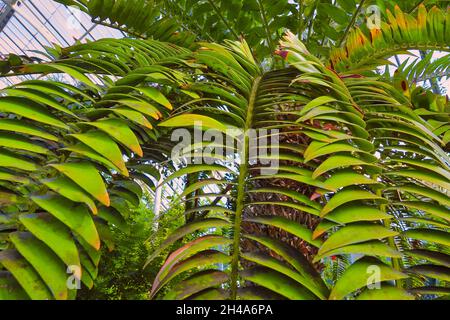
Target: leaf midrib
{"x": 243, "y": 174}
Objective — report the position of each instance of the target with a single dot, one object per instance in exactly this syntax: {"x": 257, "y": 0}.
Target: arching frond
{"x": 366, "y": 49}
{"x": 422, "y": 70}
{"x": 361, "y": 144}
{"x": 139, "y": 18}
{"x": 63, "y": 173}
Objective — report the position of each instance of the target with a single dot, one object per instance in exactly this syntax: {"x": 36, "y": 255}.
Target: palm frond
{"x": 366, "y": 49}
{"x": 63, "y": 173}
{"x": 139, "y": 18}
{"x": 422, "y": 70}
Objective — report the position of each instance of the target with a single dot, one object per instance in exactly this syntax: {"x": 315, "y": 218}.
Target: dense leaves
{"x": 63, "y": 173}
{"x": 350, "y": 176}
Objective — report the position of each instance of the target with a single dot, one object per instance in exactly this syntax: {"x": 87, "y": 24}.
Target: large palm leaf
{"x": 354, "y": 160}
{"x": 63, "y": 148}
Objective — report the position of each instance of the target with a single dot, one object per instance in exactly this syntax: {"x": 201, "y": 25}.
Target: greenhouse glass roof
{"x": 30, "y": 25}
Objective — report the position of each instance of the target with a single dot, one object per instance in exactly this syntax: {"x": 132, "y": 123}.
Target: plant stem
{"x": 416, "y": 6}
{"x": 243, "y": 173}
{"x": 300, "y": 20}
{"x": 352, "y": 22}
{"x": 109, "y": 25}
{"x": 311, "y": 23}
{"x": 266, "y": 27}
{"x": 396, "y": 263}
{"x": 225, "y": 22}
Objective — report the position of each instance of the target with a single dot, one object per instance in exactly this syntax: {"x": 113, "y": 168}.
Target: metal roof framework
{"x": 28, "y": 26}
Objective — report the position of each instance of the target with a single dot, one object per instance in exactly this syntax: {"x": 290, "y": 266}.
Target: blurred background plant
{"x": 121, "y": 274}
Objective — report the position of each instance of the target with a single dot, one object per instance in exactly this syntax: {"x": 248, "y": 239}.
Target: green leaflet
{"x": 271, "y": 280}
{"x": 190, "y": 248}
{"x": 80, "y": 150}
{"x": 436, "y": 257}
{"x": 147, "y": 169}
{"x": 431, "y": 271}
{"x": 425, "y": 192}
{"x": 76, "y": 74}
{"x": 423, "y": 176}
{"x": 295, "y": 177}
{"x": 316, "y": 150}
{"x": 25, "y": 274}
{"x": 431, "y": 235}
{"x": 10, "y": 160}
{"x": 37, "y": 96}
{"x": 87, "y": 177}
{"x": 345, "y": 178}
{"x": 276, "y": 265}
{"x": 129, "y": 185}
{"x": 426, "y": 165}
{"x": 353, "y": 212}
{"x": 156, "y": 96}
{"x": 10, "y": 288}
{"x": 442, "y": 291}
{"x": 402, "y": 31}
{"x": 196, "y": 168}
{"x": 134, "y": 116}
{"x": 355, "y": 233}
{"x": 187, "y": 120}
{"x": 120, "y": 131}
{"x": 6, "y": 176}
{"x": 203, "y": 258}
{"x": 426, "y": 221}
{"x": 77, "y": 218}
{"x": 185, "y": 230}
{"x": 30, "y": 110}
{"x": 311, "y": 278}
{"x": 202, "y": 183}
{"x": 114, "y": 217}
{"x": 88, "y": 265}
{"x": 289, "y": 226}
{"x": 346, "y": 196}
{"x": 338, "y": 161}
{"x": 54, "y": 234}
{"x": 369, "y": 248}
{"x": 196, "y": 283}
{"x": 51, "y": 269}
{"x": 71, "y": 191}
{"x": 142, "y": 107}
{"x": 359, "y": 275}
{"x": 430, "y": 208}
{"x": 105, "y": 146}
{"x": 385, "y": 293}
{"x": 20, "y": 126}
{"x": 288, "y": 204}
{"x": 315, "y": 103}
{"x": 14, "y": 141}
{"x": 93, "y": 254}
